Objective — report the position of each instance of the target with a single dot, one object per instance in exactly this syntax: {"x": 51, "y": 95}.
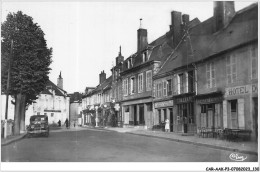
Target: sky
{"x": 86, "y": 35}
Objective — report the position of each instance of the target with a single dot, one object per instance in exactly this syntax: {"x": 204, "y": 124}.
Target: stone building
{"x": 117, "y": 88}
{"x": 97, "y": 102}
{"x": 137, "y": 73}
{"x": 213, "y": 73}
{"x": 53, "y": 101}
{"x": 75, "y": 109}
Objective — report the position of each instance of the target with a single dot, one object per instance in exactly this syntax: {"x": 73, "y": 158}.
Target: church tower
{"x": 60, "y": 81}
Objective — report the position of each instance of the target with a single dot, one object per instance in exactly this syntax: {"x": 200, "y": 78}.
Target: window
{"x": 175, "y": 84}
{"x": 157, "y": 90}
{"x": 145, "y": 56}
{"x": 160, "y": 90}
{"x": 231, "y": 69}
{"x": 149, "y": 80}
{"x": 190, "y": 81}
{"x": 254, "y": 62}
{"x": 164, "y": 88}
{"x": 210, "y": 75}
{"x": 169, "y": 87}
{"x": 182, "y": 83}
{"x": 125, "y": 87}
{"x": 52, "y": 114}
{"x": 140, "y": 83}
{"x": 129, "y": 63}
{"x": 203, "y": 108}
{"x": 132, "y": 85}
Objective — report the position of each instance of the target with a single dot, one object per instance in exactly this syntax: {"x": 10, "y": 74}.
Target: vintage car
{"x": 38, "y": 126}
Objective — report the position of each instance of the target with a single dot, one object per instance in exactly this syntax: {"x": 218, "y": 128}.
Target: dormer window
{"x": 129, "y": 63}
{"x": 145, "y": 56}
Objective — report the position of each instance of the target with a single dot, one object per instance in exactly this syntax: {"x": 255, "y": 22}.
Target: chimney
{"x": 119, "y": 58}
{"x": 102, "y": 77}
{"x": 176, "y": 27}
{"x": 223, "y": 13}
{"x": 141, "y": 38}
{"x": 185, "y": 19}
{"x": 60, "y": 81}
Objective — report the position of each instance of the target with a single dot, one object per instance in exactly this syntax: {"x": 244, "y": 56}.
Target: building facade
{"x": 117, "y": 88}
{"x": 211, "y": 79}
{"x": 97, "y": 103}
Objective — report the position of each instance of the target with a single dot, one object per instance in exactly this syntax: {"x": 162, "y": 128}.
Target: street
{"x": 93, "y": 145}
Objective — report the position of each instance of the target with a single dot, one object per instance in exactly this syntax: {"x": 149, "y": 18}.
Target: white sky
{"x": 85, "y": 36}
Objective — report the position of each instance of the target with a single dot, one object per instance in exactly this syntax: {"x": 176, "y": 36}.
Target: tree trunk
{"x": 17, "y": 112}
{"x": 22, "y": 120}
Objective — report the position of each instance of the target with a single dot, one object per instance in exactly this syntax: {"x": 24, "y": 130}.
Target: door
{"x": 256, "y": 116}
{"x": 135, "y": 115}
{"x": 141, "y": 114}
{"x": 171, "y": 120}
{"x": 185, "y": 119}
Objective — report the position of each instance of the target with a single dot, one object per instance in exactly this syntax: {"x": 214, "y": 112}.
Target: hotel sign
{"x": 241, "y": 90}
{"x": 163, "y": 104}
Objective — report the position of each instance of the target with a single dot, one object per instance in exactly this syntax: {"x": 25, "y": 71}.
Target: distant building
{"x": 117, "y": 88}
{"x": 75, "y": 109}
{"x": 96, "y": 103}
{"x": 53, "y": 102}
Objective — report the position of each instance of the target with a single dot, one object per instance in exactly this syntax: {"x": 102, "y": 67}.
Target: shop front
{"x": 240, "y": 110}
{"x": 209, "y": 110}
{"x": 163, "y": 111}
{"x": 185, "y": 116}
{"x": 137, "y": 113}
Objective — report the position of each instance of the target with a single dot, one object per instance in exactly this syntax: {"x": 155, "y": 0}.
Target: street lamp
{"x": 96, "y": 107}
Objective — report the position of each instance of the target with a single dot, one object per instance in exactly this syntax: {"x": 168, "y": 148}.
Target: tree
{"x": 29, "y": 63}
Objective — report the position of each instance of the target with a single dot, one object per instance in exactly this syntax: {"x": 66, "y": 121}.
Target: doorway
{"x": 141, "y": 114}
{"x": 171, "y": 119}
{"x": 135, "y": 115}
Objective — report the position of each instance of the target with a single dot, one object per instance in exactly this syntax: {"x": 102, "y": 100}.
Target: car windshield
{"x": 36, "y": 119}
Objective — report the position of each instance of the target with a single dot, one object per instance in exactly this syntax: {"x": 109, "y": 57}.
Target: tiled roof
{"x": 58, "y": 91}
{"x": 103, "y": 86}
{"x": 204, "y": 43}
{"x": 75, "y": 97}
{"x": 160, "y": 49}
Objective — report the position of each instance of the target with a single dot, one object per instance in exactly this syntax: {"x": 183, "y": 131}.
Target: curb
{"x": 13, "y": 140}
{"x": 197, "y": 143}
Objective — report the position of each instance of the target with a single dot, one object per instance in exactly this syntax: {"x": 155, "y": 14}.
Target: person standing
{"x": 167, "y": 125}
{"x": 67, "y": 123}
{"x": 59, "y": 123}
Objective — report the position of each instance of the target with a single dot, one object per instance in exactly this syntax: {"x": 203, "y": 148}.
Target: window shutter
{"x": 241, "y": 114}
{"x": 225, "y": 119}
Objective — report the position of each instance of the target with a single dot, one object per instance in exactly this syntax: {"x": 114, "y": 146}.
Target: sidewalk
{"x": 11, "y": 139}
{"x": 242, "y": 147}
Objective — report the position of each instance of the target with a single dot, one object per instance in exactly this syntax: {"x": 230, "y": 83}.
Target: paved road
{"x": 108, "y": 146}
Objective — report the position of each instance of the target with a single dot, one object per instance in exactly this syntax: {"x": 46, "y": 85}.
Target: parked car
{"x": 38, "y": 126}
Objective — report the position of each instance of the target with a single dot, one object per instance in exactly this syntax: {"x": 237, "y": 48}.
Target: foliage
{"x": 31, "y": 57}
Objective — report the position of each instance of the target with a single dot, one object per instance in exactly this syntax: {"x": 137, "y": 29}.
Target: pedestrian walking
{"x": 59, "y": 123}
{"x": 67, "y": 123}
{"x": 74, "y": 124}
{"x": 167, "y": 125}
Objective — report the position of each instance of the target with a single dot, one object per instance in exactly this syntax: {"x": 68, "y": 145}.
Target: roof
{"x": 160, "y": 49}
{"x": 58, "y": 91}
{"x": 201, "y": 42}
{"x": 102, "y": 87}
{"x": 75, "y": 97}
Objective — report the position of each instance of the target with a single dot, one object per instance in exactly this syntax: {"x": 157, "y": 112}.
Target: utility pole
{"x": 7, "y": 89}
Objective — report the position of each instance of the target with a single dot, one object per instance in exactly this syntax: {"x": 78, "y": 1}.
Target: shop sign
{"x": 183, "y": 100}
{"x": 209, "y": 100}
{"x": 241, "y": 90}
{"x": 117, "y": 107}
{"x": 163, "y": 104}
